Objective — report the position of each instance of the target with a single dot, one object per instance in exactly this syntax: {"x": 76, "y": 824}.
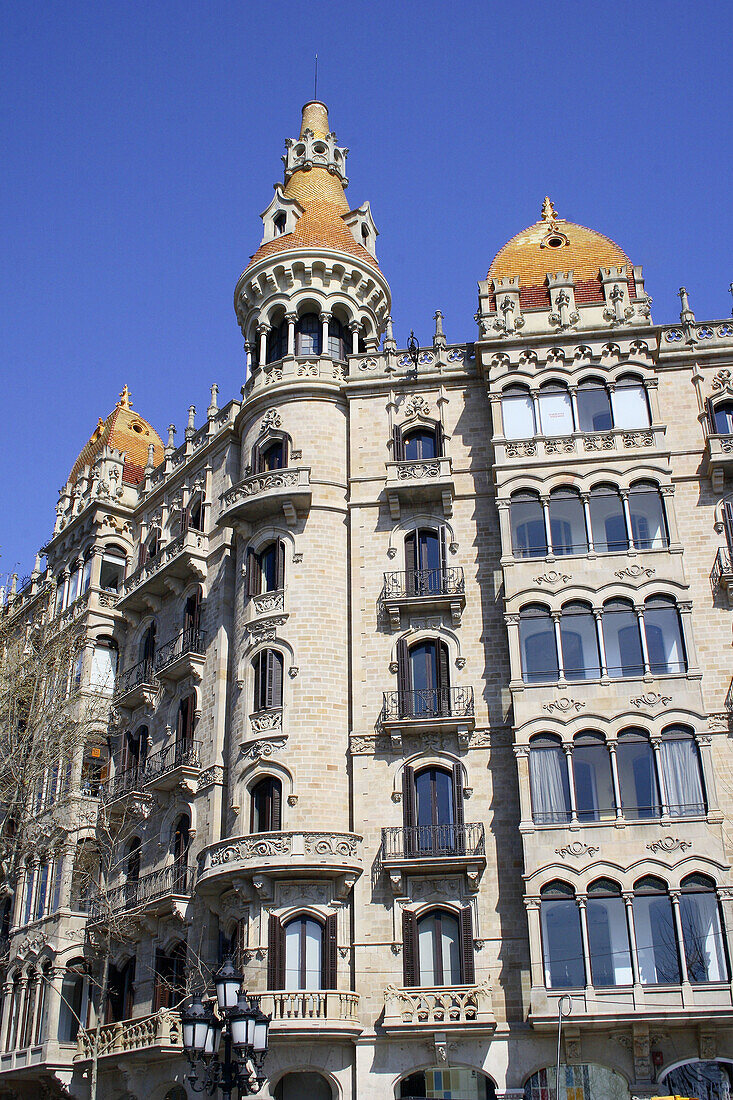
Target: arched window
{"x": 132, "y": 872}
{"x": 721, "y": 418}
{"x": 656, "y": 938}
{"x": 433, "y": 811}
{"x": 608, "y": 935}
{"x": 425, "y": 561}
{"x": 439, "y": 949}
{"x": 193, "y": 517}
{"x": 702, "y": 931}
{"x": 517, "y": 413}
{"x": 567, "y": 522}
{"x": 621, "y": 639}
{"x": 608, "y": 523}
{"x": 29, "y": 1010}
{"x": 112, "y": 569}
{"x": 271, "y": 454}
{"x": 447, "y": 1080}
{"x": 170, "y": 977}
{"x": 268, "y": 680}
{"x": 580, "y": 657}
{"x": 181, "y": 844}
{"x": 147, "y": 646}
{"x": 186, "y": 722}
{"x": 561, "y": 937}
{"x": 135, "y": 748}
{"x": 421, "y": 444}
{"x": 278, "y": 223}
{"x": 308, "y": 331}
{"x": 594, "y": 795}
{"x": 548, "y": 780}
{"x": 630, "y": 404}
{"x": 637, "y": 775}
{"x": 73, "y": 997}
{"x": 529, "y": 537}
{"x": 303, "y": 953}
{"x": 266, "y": 568}
{"x": 664, "y": 636}
{"x": 192, "y": 620}
{"x": 151, "y": 546}
{"x": 556, "y": 410}
{"x": 44, "y": 978}
{"x": 296, "y": 1086}
{"x": 266, "y": 804}
{"x": 581, "y": 1081}
{"x": 104, "y": 666}
{"x": 121, "y": 993}
{"x": 16, "y": 999}
{"x": 648, "y": 524}
{"x": 705, "y": 1080}
{"x": 594, "y": 407}
{"x": 537, "y": 645}
{"x": 424, "y": 679}
{"x": 339, "y": 339}
{"x": 682, "y": 773}
{"x": 277, "y": 342}
{"x": 84, "y": 876}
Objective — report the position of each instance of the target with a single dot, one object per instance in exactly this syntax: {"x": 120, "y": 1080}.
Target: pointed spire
{"x": 171, "y": 444}
{"x": 125, "y": 401}
{"x": 686, "y": 314}
{"x": 191, "y": 426}
{"x": 315, "y": 118}
{"x": 150, "y": 464}
{"x": 390, "y": 344}
{"x": 439, "y": 336}
{"x": 548, "y": 210}
{"x": 213, "y": 407}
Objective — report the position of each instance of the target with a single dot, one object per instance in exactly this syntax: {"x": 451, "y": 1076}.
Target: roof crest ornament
{"x": 125, "y": 401}
{"x": 548, "y": 210}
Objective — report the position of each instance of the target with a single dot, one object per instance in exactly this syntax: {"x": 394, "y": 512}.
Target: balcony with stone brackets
{"x": 157, "y": 1034}
{"x": 427, "y": 590}
{"x": 168, "y": 571}
{"x": 671, "y": 1004}
{"x": 178, "y": 763}
{"x": 123, "y": 794}
{"x": 184, "y": 655}
{"x": 450, "y": 710}
{"x": 136, "y": 686}
{"x": 718, "y": 459}
{"x": 50, "y": 1061}
{"x": 262, "y": 857}
{"x": 418, "y": 481}
{"x": 433, "y": 849}
{"x": 420, "y": 1010}
{"x": 325, "y": 1013}
{"x": 583, "y": 446}
{"x": 273, "y": 493}
{"x": 161, "y": 893}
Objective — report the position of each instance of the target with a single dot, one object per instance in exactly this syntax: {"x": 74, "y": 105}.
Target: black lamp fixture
{"x": 244, "y": 1029}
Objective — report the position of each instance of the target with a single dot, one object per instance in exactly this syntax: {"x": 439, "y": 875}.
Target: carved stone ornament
{"x": 669, "y": 844}
{"x": 633, "y": 572}
{"x": 270, "y": 420}
{"x": 723, "y": 381}
{"x": 416, "y": 406}
{"x": 264, "y": 630}
{"x": 264, "y": 746}
{"x": 564, "y": 705}
{"x": 576, "y": 849}
{"x": 264, "y": 723}
{"x": 553, "y": 577}
{"x": 651, "y": 700}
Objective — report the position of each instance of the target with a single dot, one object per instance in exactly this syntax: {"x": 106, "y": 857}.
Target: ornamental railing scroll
{"x": 437, "y": 1006}
{"x": 425, "y": 703}
{"x": 141, "y": 673}
{"x": 176, "y": 878}
{"x": 611, "y": 440}
{"x": 180, "y": 754}
{"x": 445, "y": 581}
{"x": 722, "y": 567}
{"x": 297, "y": 477}
{"x": 122, "y": 783}
{"x": 433, "y": 841}
{"x": 314, "y": 846}
{"x": 188, "y": 641}
{"x": 427, "y": 469}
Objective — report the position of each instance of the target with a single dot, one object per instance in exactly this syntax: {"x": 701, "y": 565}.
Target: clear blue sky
{"x": 139, "y": 142}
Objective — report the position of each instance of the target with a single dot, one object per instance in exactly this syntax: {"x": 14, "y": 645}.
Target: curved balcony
{"x": 272, "y": 493}
{"x": 719, "y": 459}
{"x": 673, "y": 1003}
{"x": 319, "y": 1012}
{"x": 421, "y": 1009}
{"x": 441, "y": 589}
{"x": 414, "y": 482}
{"x": 262, "y": 857}
{"x": 585, "y": 446}
{"x": 177, "y": 561}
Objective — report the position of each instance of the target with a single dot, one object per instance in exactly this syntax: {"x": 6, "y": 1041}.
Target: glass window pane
{"x": 567, "y": 524}
{"x": 609, "y": 942}
{"x": 556, "y": 412}
{"x": 594, "y": 796}
{"x": 647, "y": 519}
{"x": 682, "y": 778}
{"x": 518, "y": 416}
{"x": 528, "y": 528}
{"x": 426, "y": 950}
{"x": 450, "y": 949}
{"x": 724, "y": 418}
{"x": 579, "y": 645}
{"x": 656, "y": 941}
{"x": 703, "y": 937}
{"x": 637, "y": 778}
{"x": 538, "y": 650}
{"x": 562, "y": 945}
{"x": 630, "y": 406}
{"x": 594, "y": 409}
{"x": 622, "y": 641}
{"x": 608, "y": 523}
{"x": 548, "y": 775}
{"x": 664, "y": 639}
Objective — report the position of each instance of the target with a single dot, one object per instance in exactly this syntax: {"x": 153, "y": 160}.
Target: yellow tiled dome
{"x": 126, "y": 431}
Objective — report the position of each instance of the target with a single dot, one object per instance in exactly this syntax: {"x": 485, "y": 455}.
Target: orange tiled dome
{"x": 126, "y": 431}
{"x": 554, "y": 244}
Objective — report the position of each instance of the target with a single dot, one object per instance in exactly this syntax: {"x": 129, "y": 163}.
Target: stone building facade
{"x": 419, "y": 664}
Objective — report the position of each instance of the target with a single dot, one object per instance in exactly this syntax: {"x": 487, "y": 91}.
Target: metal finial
{"x": 730, "y": 288}
{"x": 413, "y": 348}
{"x": 315, "y": 80}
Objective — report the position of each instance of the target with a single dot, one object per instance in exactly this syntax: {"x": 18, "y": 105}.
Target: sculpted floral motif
{"x": 577, "y": 848}
{"x": 330, "y": 844}
{"x": 651, "y": 700}
{"x": 417, "y": 406}
{"x": 413, "y": 471}
{"x": 638, "y": 439}
{"x": 368, "y": 364}
{"x": 723, "y": 380}
{"x": 265, "y": 746}
{"x": 669, "y": 844}
{"x": 271, "y": 720}
{"x": 559, "y": 446}
{"x": 553, "y": 576}
{"x": 522, "y": 449}
{"x": 271, "y": 419}
{"x": 308, "y": 370}
{"x": 633, "y": 572}
{"x": 363, "y": 745}
{"x": 253, "y": 486}
{"x": 269, "y": 601}
{"x": 564, "y": 705}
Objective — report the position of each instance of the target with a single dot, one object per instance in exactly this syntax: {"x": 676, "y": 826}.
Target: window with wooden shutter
{"x": 728, "y": 524}
{"x": 398, "y": 451}
{"x": 459, "y": 841}
{"x": 404, "y": 694}
{"x": 409, "y": 948}
{"x": 274, "y": 691}
{"x": 254, "y": 575}
{"x": 329, "y": 955}
{"x": 275, "y": 953}
{"x": 280, "y": 574}
{"x": 710, "y": 408}
{"x": 409, "y": 811}
{"x": 468, "y": 972}
{"x": 443, "y": 679}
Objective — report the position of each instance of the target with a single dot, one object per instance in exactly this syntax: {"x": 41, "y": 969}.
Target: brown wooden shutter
{"x": 256, "y": 461}
{"x": 280, "y": 565}
{"x": 181, "y": 720}
{"x": 443, "y": 549}
{"x": 443, "y": 679}
{"x": 467, "y": 967}
{"x": 411, "y": 973}
{"x": 185, "y": 521}
{"x": 276, "y": 823}
{"x": 190, "y": 702}
{"x": 328, "y": 956}
{"x": 285, "y": 450}
{"x": 254, "y": 573}
{"x": 275, "y": 953}
{"x": 411, "y": 563}
{"x": 274, "y": 685}
{"x": 409, "y": 811}
{"x": 438, "y": 441}
{"x": 459, "y": 840}
{"x": 711, "y": 415}
{"x": 728, "y": 523}
{"x": 403, "y": 679}
{"x": 398, "y": 450}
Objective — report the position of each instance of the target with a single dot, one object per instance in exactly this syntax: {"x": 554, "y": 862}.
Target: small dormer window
{"x": 279, "y": 222}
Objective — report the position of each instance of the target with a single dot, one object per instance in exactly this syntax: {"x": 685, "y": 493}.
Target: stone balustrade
{"x": 161, "y": 1030}
{"x": 439, "y": 1007}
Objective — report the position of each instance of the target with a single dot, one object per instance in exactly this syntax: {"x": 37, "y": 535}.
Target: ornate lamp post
{"x": 244, "y": 1029}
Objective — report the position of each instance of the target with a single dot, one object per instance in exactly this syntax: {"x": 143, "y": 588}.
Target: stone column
{"x": 624, "y": 494}
{"x": 354, "y": 328}
{"x": 54, "y": 1002}
{"x": 667, "y": 492}
{"x": 324, "y": 319}
{"x": 262, "y": 331}
{"x": 688, "y": 639}
{"x": 675, "y": 898}
{"x": 639, "y": 609}
{"x": 585, "y": 497}
{"x": 291, "y": 319}
{"x": 628, "y": 897}
{"x": 582, "y": 901}
{"x": 568, "y": 750}
{"x": 598, "y": 616}
{"x": 656, "y": 743}
{"x": 532, "y": 906}
{"x": 705, "y": 749}
{"x": 548, "y": 528}
{"x": 555, "y": 616}
{"x": 515, "y": 657}
{"x": 505, "y": 529}
{"x": 611, "y": 744}
{"x": 521, "y": 753}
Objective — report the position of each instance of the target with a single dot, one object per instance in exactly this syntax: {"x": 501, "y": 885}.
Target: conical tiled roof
{"x": 123, "y": 430}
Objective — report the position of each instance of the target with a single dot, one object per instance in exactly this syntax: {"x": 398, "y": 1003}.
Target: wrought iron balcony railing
{"x": 141, "y": 673}
{"x": 176, "y": 878}
{"x": 722, "y": 569}
{"x": 423, "y": 582}
{"x": 121, "y": 783}
{"x": 424, "y": 703}
{"x": 433, "y": 841}
{"x": 188, "y": 641}
{"x": 181, "y": 754}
